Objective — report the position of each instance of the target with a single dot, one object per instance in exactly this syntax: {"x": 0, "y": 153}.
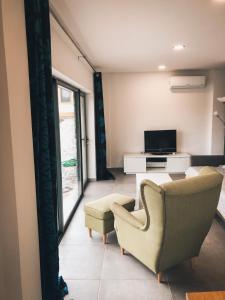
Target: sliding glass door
{"x": 70, "y": 119}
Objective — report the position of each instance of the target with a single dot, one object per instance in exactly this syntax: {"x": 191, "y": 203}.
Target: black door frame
{"x": 86, "y": 138}
{"x": 77, "y": 93}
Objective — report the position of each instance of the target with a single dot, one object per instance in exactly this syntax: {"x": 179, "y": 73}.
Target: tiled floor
{"x": 97, "y": 272}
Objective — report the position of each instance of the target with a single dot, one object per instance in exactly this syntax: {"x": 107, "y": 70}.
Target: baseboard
{"x": 117, "y": 168}
{"x": 92, "y": 179}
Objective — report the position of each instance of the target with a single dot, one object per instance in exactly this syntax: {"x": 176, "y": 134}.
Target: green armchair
{"x": 174, "y": 222}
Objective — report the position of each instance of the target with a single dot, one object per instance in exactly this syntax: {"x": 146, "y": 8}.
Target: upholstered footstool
{"x": 98, "y": 215}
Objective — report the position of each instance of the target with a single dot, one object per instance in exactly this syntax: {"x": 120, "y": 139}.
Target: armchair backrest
{"x": 181, "y": 213}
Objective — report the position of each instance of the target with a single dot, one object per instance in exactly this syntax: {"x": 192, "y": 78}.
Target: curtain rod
{"x": 55, "y": 16}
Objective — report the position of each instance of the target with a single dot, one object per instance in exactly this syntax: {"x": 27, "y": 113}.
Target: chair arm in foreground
{"x": 122, "y": 213}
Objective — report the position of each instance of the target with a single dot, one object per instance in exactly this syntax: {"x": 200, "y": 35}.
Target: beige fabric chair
{"x": 174, "y": 222}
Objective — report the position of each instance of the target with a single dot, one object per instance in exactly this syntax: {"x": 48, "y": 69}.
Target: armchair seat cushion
{"x": 100, "y": 209}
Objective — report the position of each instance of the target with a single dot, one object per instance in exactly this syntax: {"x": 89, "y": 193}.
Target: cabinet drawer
{"x": 134, "y": 164}
{"x": 178, "y": 164}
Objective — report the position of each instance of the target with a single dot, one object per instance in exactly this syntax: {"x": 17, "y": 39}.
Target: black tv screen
{"x": 160, "y": 141}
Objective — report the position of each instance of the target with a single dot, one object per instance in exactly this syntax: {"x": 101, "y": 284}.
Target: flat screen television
{"x": 160, "y": 141}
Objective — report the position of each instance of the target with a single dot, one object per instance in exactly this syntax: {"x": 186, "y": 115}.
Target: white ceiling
{"x": 138, "y": 35}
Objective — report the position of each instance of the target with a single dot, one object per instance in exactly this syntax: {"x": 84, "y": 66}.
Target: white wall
{"x": 135, "y": 102}
{"x": 217, "y": 143}
{"x": 19, "y": 253}
{"x": 77, "y": 72}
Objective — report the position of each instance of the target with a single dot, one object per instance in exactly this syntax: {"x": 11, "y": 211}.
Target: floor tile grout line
{"x": 99, "y": 288}
{"x": 76, "y": 244}
{"x": 80, "y": 279}
{"x": 109, "y": 279}
{"x": 100, "y": 279}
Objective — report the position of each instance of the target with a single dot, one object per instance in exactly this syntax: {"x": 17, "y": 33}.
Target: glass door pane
{"x": 69, "y": 150}
{"x": 83, "y": 137}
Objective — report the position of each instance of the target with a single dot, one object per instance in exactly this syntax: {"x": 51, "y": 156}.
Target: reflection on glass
{"x": 69, "y": 153}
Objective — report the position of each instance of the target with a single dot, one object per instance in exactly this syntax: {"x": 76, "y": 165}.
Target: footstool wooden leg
{"x": 122, "y": 251}
{"x": 90, "y": 232}
{"x": 104, "y": 238}
{"x": 159, "y": 277}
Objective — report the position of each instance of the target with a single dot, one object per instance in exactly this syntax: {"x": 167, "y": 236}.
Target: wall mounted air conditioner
{"x": 187, "y": 82}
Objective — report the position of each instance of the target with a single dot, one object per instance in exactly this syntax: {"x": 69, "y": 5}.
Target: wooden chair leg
{"x": 122, "y": 251}
{"x": 104, "y": 238}
{"x": 159, "y": 277}
{"x": 90, "y": 232}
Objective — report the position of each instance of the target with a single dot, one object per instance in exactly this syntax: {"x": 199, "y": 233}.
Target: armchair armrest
{"x": 121, "y": 212}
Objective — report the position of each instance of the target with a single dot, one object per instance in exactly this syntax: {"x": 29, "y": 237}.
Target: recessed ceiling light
{"x": 179, "y": 47}
{"x": 162, "y": 67}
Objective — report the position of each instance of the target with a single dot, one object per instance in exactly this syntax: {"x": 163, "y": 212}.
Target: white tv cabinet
{"x": 146, "y": 162}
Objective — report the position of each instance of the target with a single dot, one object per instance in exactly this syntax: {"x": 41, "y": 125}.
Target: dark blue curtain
{"x": 102, "y": 172}
{"x": 42, "y": 111}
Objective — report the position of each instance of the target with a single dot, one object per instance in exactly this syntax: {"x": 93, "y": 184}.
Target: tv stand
{"x": 174, "y": 163}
